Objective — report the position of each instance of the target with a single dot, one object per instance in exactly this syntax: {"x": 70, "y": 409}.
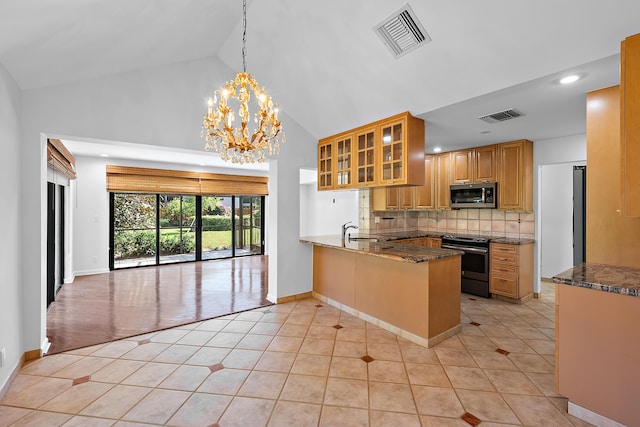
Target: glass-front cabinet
{"x": 388, "y": 152}
{"x": 392, "y": 152}
{"x": 343, "y": 148}
{"x": 325, "y": 164}
{"x": 365, "y": 157}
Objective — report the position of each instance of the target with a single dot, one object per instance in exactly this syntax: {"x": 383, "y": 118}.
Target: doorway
{"x": 55, "y": 240}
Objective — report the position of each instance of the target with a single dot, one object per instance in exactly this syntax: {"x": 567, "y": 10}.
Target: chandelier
{"x": 239, "y": 144}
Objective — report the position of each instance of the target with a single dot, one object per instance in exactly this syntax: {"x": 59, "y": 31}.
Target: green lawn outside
{"x": 211, "y": 240}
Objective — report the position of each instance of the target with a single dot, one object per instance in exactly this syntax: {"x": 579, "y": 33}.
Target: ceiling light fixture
{"x": 437, "y": 149}
{"x": 235, "y": 144}
{"x": 569, "y": 79}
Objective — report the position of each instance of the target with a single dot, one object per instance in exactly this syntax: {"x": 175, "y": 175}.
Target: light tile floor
{"x": 289, "y": 365}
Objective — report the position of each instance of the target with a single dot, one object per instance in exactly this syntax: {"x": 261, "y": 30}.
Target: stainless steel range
{"x": 475, "y": 262}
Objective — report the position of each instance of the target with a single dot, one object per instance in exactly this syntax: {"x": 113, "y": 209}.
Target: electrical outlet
{"x": 2, "y": 353}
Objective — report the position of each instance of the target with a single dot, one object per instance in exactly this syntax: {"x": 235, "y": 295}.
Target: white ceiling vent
{"x": 402, "y": 32}
{"x": 501, "y": 116}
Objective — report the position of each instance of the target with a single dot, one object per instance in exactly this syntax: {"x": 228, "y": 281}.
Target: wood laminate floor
{"x": 105, "y": 307}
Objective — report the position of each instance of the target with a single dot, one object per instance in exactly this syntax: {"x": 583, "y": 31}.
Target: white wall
{"x": 564, "y": 150}
{"x": 324, "y": 212}
{"x": 11, "y": 315}
{"x": 159, "y": 106}
{"x": 556, "y": 218}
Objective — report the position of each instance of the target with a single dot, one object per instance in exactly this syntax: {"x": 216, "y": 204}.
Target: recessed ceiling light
{"x": 437, "y": 149}
{"x": 486, "y": 131}
{"x": 104, "y": 155}
{"x": 569, "y": 79}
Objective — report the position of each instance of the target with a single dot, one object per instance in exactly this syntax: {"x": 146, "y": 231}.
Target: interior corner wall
{"x": 11, "y": 309}
{"x": 158, "y": 106}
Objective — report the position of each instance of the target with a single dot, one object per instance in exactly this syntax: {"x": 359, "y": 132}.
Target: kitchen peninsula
{"x": 410, "y": 290}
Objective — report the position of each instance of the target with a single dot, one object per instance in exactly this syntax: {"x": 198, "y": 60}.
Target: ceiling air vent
{"x": 501, "y": 116}
{"x": 402, "y": 32}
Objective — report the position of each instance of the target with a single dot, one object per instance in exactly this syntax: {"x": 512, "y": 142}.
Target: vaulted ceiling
{"x": 323, "y": 63}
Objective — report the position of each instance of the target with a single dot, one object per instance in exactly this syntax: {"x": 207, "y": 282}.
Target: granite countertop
{"x": 414, "y": 234}
{"x": 511, "y": 241}
{"x": 383, "y": 248}
{"x": 602, "y": 277}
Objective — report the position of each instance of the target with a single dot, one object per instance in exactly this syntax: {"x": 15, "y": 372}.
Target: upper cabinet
{"x": 515, "y": 175}
{"x": 630, "y": 124}
{"x": 389, "y": 152}
{"x": 484, "y": 162}
{"x": 462, "y": 166}
{"x": 424, "y": 196}
{"x": 401, "y": 151}
{"x": 443, "y": 180}
{"x": 325, "y": 164}
{"x": 342, "y": 147}
{"x": 365, "y": 157}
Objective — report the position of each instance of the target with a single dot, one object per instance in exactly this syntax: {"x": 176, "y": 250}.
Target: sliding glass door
{"x": 217, "y": 223}
{"x": 177, "y": 228}
{"x": 152, "y": 229}
{"x": 133, "y": 230}
{"x": 248, "y": 235}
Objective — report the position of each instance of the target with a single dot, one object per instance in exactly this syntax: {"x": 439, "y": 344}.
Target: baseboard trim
{"x": 295, "y": 297}
{"x": 27, "y": 356}
{"x": 425, "y": 342}
{"x": 90, "y": 272}
{"x": 591, "y": 417}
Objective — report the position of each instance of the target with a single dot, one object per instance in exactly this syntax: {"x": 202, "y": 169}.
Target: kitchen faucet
{"x": 345, "y": 227}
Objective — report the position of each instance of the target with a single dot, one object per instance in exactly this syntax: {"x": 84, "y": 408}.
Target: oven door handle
{"x": 466, "y": 249}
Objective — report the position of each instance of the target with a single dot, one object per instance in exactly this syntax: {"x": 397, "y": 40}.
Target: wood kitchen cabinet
{"x": 511, "y": 271}
{"x": 443, "y": 181}
{"x": 325, "y": 164}
{"x": 484, "y": 164}
{"x": 401, "y": 154}
{"x": 342, "y": 147}
{"x": 413, "y": 197}
{"x": 365, "y": 156}
{"x": 388, "y": 152}
{"x": 515, "y": 175}
{"x": 424, "y": 195}
{"x": 427, "y": 242}
{"x": 630, "y": 125}
{"x": 462, "y": 167}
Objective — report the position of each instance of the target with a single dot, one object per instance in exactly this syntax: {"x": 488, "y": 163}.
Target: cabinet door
{"x": 393, "y": 198}
{"x": 484, "y": 164}
{"x": 365, "y": 157}
{"x": 515, "y": 175}
{"x": 444, "y": 181}
{"x": 630, "y": 125}
{"x": 325, "y": 164}
{"x": 434, "y": 242}
{"x": 343, "y": 146}
{"x": 461, "y": 166}
{"x": 393, "y": 154}
{"x": 424, "y": 195}
{"x": 406, "y": 197}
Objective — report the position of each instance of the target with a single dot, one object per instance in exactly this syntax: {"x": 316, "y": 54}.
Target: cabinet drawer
{"x": 504, "y": 258}
{"x": 505, "y": 270}
{"x": 499, "y": 248}
{"x": 503, "y": 286}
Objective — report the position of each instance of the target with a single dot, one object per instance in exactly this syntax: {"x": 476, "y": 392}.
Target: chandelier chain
{"x": 244, "y": 35}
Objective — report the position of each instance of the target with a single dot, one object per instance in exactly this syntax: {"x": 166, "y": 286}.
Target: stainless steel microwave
{"x": 480, "y": 195}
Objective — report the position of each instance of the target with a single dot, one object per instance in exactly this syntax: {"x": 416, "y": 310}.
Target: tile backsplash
{"x": 484, "y": 222}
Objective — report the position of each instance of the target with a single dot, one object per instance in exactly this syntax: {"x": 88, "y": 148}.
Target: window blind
{"x": 60, "y": 159}
{"x": 126, "y": 179}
